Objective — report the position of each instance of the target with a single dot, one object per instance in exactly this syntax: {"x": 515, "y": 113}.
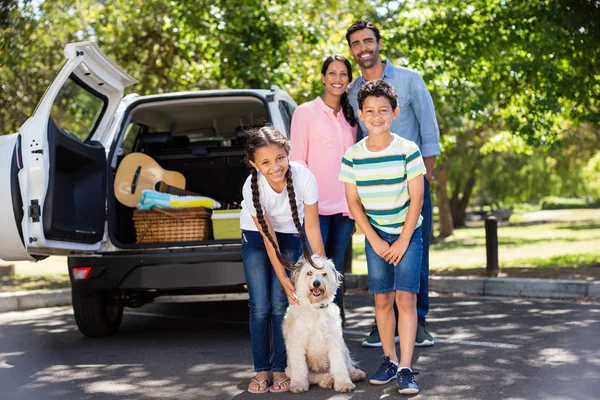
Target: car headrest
{"x": 244, "y": 130}
{"x": 155, "y": 138}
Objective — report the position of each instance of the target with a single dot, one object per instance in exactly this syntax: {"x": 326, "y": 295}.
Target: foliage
{"x": 172, "y": 46}
{"x": 512, "y": 64}
{"x": 520, "y": 173}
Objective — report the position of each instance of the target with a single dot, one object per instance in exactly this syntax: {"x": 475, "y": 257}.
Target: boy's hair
{"x": 263, "y": 137}
{"x": 377, "y": 88}
{"x": 359, "y": 26}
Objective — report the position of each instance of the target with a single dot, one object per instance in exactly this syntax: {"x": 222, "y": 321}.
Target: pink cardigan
{"x": 319, "y": 140}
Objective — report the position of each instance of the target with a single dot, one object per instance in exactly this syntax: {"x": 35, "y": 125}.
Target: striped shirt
{"x": 381, "y": 179}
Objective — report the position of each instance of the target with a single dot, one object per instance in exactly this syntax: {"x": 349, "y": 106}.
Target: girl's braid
{"x": 261, "y": 218}
{"x": 294, "y": 208}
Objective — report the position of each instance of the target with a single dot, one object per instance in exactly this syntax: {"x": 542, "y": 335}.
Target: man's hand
{"x": 396, "y": 251}
{"x": 380, "y": 246}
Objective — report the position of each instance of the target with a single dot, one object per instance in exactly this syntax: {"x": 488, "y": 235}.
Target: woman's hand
{"x": 380, "y": 246}
{"x": 290, "y": 291}
{"x": 396, "y": 251}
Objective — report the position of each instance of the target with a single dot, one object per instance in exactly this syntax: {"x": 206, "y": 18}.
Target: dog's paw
{"x": 327, "y": 382}
{"x": 298, "y": 387}
{"x": 344, "y": 387}
{"x": 357, "y": 375}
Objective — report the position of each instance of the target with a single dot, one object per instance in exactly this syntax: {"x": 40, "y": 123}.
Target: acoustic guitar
{"x": 138, "y": 172}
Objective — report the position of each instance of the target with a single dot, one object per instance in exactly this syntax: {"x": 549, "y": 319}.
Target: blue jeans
{"x": 267, "y": 298}
{"x": 336, "y": 230}
{"x": 426, "y": 226}
{"x": 385, "y": 277}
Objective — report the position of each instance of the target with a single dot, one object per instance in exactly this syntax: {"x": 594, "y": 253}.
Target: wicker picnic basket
{"x": 172, "y": 224}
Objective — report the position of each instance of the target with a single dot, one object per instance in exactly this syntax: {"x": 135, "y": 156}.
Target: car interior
{"x": 203, "y": 138}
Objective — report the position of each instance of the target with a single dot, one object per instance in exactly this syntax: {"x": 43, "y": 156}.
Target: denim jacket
{"x": 416, "y": 120}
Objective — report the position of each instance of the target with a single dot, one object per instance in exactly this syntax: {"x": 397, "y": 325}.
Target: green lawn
{"x": 528, "y": 243}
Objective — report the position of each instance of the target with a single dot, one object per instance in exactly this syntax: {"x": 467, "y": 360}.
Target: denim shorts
{"x": 385, "y": 277}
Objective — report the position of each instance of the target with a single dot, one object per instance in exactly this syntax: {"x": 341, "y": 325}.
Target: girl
{"x": 278, "y": 196}
{"x": 322, "y": 131}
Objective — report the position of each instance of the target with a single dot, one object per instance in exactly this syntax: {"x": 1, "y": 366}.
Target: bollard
{"x": 491, "y": 246}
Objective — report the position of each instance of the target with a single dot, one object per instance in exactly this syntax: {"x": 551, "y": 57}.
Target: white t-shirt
{"x": 277, "y": 205}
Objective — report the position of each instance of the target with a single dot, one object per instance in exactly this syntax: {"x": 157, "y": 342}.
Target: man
{"x": 416, "y": 122}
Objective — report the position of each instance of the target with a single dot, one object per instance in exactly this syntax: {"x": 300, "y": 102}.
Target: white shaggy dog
{"x": 313, "y": 332}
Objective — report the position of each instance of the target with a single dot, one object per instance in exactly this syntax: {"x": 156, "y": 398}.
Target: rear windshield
{"x": 77, "y": 109}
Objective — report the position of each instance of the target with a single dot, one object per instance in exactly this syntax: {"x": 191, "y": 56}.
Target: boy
{"x": 417, "y": 123}
{"x": 383, "y": 175}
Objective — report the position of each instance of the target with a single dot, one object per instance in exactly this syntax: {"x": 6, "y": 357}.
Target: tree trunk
{"x": 441, "y": 193}
{"x": 460, "y": 201}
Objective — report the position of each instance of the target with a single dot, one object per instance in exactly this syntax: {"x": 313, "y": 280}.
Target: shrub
{"x": 563, "y": 203}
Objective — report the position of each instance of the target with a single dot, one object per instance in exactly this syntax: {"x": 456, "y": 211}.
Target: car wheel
{"x": 96, "y": 315}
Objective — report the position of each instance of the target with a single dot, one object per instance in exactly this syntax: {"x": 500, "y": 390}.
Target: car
{"x": 59, "y": 194}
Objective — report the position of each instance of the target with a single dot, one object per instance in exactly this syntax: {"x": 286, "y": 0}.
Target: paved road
{"x": 487, "y": 348}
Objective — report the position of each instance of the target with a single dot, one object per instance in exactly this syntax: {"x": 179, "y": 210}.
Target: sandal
{"x": 266, "y": 382}
{"x": 279, "y": 384}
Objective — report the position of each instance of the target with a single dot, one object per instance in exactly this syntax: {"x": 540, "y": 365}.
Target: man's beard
{"x": 369, "y": 62}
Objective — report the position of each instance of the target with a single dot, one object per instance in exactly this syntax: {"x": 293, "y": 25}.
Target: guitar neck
{"x": 163, "y": 187}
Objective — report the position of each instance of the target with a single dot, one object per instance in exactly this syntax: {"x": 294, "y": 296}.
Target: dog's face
{"x": 316, "y": 286}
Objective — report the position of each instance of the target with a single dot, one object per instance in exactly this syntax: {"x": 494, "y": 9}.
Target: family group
{"x": 362, "y": 153}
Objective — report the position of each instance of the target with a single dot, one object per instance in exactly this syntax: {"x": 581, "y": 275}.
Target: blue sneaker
{"x": 386, "y": 372}
{"x": 406, "y": 381}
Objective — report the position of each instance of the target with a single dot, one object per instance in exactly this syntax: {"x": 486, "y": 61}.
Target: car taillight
{"x": 81, "y": 272}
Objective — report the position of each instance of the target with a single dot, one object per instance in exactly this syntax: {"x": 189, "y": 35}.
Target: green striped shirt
{"x": 381, "y": 179}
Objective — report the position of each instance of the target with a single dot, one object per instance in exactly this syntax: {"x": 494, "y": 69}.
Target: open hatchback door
{"x": 58, "y": 172}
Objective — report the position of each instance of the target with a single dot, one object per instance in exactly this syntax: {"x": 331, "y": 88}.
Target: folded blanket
{"x": 152, "y": 198}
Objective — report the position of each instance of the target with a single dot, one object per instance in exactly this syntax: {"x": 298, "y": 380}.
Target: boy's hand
{"x": 380, "y": 246}
{"x": 396, "y": 251}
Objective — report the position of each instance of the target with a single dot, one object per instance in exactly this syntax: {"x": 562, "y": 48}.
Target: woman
{"x": 278, "y": 197}
{"x": 322, "y": 131}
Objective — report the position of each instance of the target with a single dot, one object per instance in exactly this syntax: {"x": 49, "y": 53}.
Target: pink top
{"x": 319, "y": 140}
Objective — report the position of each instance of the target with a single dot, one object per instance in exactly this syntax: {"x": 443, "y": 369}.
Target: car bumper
{"x": 201, "y": 270}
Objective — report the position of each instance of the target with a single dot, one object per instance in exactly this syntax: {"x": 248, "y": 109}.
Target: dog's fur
{"x": 313, "y": 332}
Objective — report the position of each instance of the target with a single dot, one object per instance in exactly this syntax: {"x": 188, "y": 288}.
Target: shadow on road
{"x": 485, "y": 348}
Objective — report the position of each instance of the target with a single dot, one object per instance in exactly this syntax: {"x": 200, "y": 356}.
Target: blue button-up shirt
{"x": 416, "y": 120}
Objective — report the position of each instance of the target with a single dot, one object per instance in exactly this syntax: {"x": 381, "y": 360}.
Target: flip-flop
{"x": 265, "y": 382}
{"x": 279, "y": 383}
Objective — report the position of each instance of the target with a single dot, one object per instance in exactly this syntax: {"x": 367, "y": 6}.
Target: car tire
{"x": 96, "y": 315}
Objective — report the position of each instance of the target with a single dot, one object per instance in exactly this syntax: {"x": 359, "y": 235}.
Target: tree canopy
{"x": 496, "y": 69}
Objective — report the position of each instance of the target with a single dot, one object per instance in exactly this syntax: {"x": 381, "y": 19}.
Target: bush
{"x": 563, "y": 203}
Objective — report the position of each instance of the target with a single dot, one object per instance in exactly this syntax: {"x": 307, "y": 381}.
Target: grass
{"x": 561, "y": 244}
{"x": 24, "y": 282}
{"x": 528, "y": 244}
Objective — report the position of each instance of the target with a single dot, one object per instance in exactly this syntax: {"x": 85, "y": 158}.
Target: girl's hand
{"x": 290, "y": 291}
{"x": 380, "y": 246}
{"x": 396, "y": 251}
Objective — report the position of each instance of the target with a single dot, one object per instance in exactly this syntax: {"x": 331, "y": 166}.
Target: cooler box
{"x": 226, "y": 224}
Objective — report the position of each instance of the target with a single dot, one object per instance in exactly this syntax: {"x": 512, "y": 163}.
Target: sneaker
{"x": 386, "y": 372}
{"x": 423, "y": 338}
{"x": 373, "y": 340}
{"x": 406, "y": 381}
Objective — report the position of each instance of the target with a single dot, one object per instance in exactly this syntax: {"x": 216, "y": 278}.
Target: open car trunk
{"x": 203, "y": 138}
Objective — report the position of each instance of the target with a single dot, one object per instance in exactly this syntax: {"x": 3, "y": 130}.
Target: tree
{"x": 173, "y": 46}
{"x": 524, "y": 67}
